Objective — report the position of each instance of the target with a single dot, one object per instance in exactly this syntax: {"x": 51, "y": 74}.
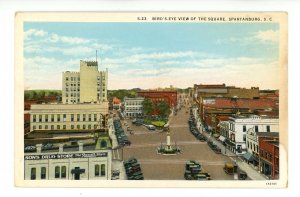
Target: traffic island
{"x": 168, "y": 149}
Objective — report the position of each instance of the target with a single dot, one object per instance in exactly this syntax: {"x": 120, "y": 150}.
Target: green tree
{"x": 163, "y": 108}
{"x": 148, "y": 107}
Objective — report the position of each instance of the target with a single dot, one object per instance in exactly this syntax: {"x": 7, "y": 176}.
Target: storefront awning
{"x": 248, "y": 157}
{"x": 222, "y": 138}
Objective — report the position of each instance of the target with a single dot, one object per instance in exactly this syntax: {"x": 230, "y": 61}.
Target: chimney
{"x": 61, "y": 148}
{"x": 39, "y": 148}
{"x": 80, "y": 146}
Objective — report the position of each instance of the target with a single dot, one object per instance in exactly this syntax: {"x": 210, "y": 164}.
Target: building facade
{"x": 87, "y": 85}
{"x": 133, "y": 107}
{"x": 68, "y": 165}
{"x": 169, "y": 96}
{"x": 252, "y": 144}
{"x": 215, "y": 110}
{"x": 269, "y": 157}
{"x": 235, "y": 130}
{"x": 67, "y": 116}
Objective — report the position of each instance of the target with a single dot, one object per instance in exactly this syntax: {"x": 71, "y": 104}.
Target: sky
{"x": 152, "y": 55}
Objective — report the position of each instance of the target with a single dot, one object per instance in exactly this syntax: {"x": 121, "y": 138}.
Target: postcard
{"x": 151, "y": 99}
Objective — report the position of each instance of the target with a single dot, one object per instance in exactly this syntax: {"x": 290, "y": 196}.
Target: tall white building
{"x": 87, "y": 85}
{"x": 235, "y": 130}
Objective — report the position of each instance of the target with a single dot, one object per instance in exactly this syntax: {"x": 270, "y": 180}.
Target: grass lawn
{"x": 157, "y": 123}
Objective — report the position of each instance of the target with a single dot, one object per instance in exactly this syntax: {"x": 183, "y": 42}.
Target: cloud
{"x": 34, "y": 33}
{"x": 55, "y": 38}
{"x": 259, "y": 37}
{"x": 267, "y": 36}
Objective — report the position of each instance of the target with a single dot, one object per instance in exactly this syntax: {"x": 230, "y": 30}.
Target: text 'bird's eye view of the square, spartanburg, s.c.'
{"x": 151, "y": 101}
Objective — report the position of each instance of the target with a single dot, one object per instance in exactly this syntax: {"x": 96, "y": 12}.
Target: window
{"x": 67, "y": 78}
{"x": 72, "y": 117}
{"x": 83, "y": 126}
{"x": 102, "y": 169}
{"x": 40, "y": 118}
{"x": 78, "y": 117}
{"x": 71, "y": 78}
{"x": 46, "y": 118}
{"x": 52, "y": 117}
{"x": 97, "y": 170}
{"x": 34, "y": 127}
{"x": 244, "y": 128}
{"x": 63, "y": 172}
{"x": 90, "y": 117}
{"x": 67, "y": 90}
{"x": 52, "y": 127}
{"x": 64, "y": 127}
{"x": 72, "y": 126}
{"x": 256, "y": 128}
{"x": 95, "y": 126}
{"x": 58, "y": 117}
{"x": 34, "y": 118}
{"x": 244, "y": 137}
{"x": 40, "y": 126}
{"x": 67, "y": 100}
{"x": 78, "y": 126}
{"x": 95, "y": 117}
{"x": 89, "y": 126}
{"x": 78, "y": 78}
{"x": 268, "y": 128}
{"x": 103, "y": 144}
{"x": 43, "y": 172}
{"x": 33, "y": 174}
{"x": 251, "y": 145}
{"x": 83, "y": 118}
{"x": 64, "y": 117}
{"x": 248, "y": 144}
{"x": 46, "y": 126}
{"x": 58, "y": 126}
{"x": 57, "y": 172}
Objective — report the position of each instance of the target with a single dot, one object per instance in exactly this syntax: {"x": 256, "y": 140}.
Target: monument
{"x": 168, "y": 149}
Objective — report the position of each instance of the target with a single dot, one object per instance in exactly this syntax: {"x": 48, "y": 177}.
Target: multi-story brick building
{"x": 169, "y": 96}
{"x": 269, "y": 157}
{"x": 88, "y": 85}
{"x": 252, "y": 139}
{"x": 214, "y": 110}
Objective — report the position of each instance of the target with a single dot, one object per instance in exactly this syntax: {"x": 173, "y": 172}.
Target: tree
{"x": 148, "y": 107}
{"x": 163, "y": 108}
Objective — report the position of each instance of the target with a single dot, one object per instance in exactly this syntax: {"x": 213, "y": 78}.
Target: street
{"x": 162, "y": 167}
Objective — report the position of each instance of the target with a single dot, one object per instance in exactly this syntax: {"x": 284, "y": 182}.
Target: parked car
{"x": 230, "y": 168}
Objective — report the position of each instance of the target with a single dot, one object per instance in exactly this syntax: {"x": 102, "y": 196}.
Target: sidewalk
{"x": 251, "y": 172}
{"x": 111, "y": 132}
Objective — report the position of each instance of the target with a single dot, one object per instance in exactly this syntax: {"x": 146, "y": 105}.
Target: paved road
{"x": 160, "y": 167}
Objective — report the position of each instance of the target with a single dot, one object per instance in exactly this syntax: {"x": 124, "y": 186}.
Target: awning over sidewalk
{"x": 222, "y": 138}
{"x": 248, "y": 157}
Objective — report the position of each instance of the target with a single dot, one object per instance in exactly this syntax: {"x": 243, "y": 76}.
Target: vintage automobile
{"x": 230, "y": 168}
{"x": 242, "y": 175}
{"x": 201, "y": 177}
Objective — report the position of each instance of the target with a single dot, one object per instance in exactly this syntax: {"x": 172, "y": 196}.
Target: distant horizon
{"x": 150, "y": 55}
